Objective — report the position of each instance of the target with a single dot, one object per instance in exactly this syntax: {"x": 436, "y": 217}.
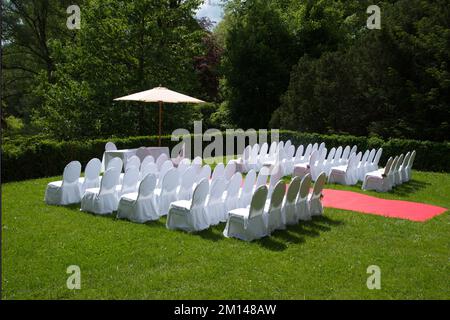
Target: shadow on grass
{"x": 410, "y": 188}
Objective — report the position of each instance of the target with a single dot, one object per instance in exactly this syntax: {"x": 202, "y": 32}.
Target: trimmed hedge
{"x": 30, "y": 159}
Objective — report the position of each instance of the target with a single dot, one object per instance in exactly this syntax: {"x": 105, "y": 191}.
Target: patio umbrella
{"x": 160, "y": 95}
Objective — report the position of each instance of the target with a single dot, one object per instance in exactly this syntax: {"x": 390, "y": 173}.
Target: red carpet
{"x": 354, "y": 201}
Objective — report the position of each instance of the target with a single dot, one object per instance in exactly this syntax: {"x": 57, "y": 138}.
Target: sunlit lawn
{"x": 326, "y": 258}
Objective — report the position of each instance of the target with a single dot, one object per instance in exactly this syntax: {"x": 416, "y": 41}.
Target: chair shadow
{"x": 410, "y": 188}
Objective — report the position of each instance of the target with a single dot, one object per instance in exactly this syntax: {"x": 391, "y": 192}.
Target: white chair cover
{"x": 302, "y": 169}
{"x": 276, "y": 175}
{"x": 187, "y": 184}
{"x": 315, "y": 199}
{"x": 91, "y": 177}
{"x": 133, "y": 162}
{"x": 410, "y": 166}
{"x": 361, "y": 166}
{"x": 150, "y": 168}
{"x": 129, "y": 183}
{"x": 219, "y": 172}
{"x": 231, "y": 196}
{"x": 67, "y": 191}
{"x": 274, "y": 209}
{"x": 163, "y": 158}
{"x": 245, "y": 196}
{"x": 248, "y": 223}
{"x": 215, "y": 206}
{"x": 378, "y": 180}
{"x": 140, "y": 207}
{"x": 102, "y": 200}
{"x": 317, "y": 167}
{"x": 397, "y": 176}
{"x": 189, "y": 215}
{"x": 298, "y": 155}
{"x": 302, "y": 199}
{"x": 230, "y": 170}
{"x": 403, "y": 167}
{"x": 168, "y": 192}
{"x": 165, "y": 167}
{"x": 109, "y": 146}
{"x": 289, "y": 207}
{"x": 328, "y": 162}
{"x": 205, "y": 173}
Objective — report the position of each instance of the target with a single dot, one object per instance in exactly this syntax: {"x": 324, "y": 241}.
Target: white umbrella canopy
{"x": 160, "y": 95}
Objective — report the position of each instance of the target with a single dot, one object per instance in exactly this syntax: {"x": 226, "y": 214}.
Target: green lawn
{"x": 326, "y": 258}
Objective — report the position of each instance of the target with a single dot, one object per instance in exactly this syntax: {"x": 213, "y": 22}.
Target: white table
{"x": 125, "y": 154}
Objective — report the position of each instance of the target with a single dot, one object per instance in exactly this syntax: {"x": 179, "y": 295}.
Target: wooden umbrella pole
{"x": 160, "y": 122}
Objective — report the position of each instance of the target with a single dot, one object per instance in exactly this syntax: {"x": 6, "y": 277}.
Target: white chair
{"x": 243, "y": 162}
{"x": 289, "y": 207}
{"x": 215, "y": 206}
{"x": 315, "y": 198}
{"x": 248, "y": 223}
{"x": 115, "y": 163}
{"x": 403, "y": 166}
{"x": 318, "y": 166}
{"x": 287, "y": 145}
{"x": 91, "y": 177}
{"x": 231, "y": 196}
{"x": 302, "y": 204}
{"x": 275, "y": 176}
{"x": 345, "y": 156}
{"x": 263, "y": 176}
{"x": 378, "y": 180}
{"x": 274, "y": 209}
{"x": 410, "y": 165}
{"x": 102, "y": 200}
{"x": 307, "y": 154}
{"x": 167, "y": 194}
{"x": 182, "y": 167}
{"x": 374, "y": 165}
{"x": 329, "y": 160}
{"x": 298, "y": 155}
{"x": 109, "y": 146}
{"x": 189, "y": 215}
{"x": 361, "y": 166}
{"x": 263, "y": 153}
{"x": 142, "y": 153}
{"x": 133, "y": 162}
{"x": 147, "y": 160}
{"x": 391, "y": 174}
{"x": 205, "y": 173}
{"x": 230, "y": 170}
{"x": 289, "y": 161}
{"x": 345, "y": 174}
{"x": 322, "y": 147}
{"x": 253, "y": 162}
{"x": 163, "y": 158}
{"x": 245, "y": 196}
{"x": 129, "y": 182}
{"x": 150, "y": 168}
{"x": 165, "y": 167}
{"x": 302, "y": 169}
{"x": 397, "y": 177}
{"x": 219, "y": 172}
{"x": 66, "y": 191}
{"x": 140, "y": 207}
{"x": 354, "y": 149}
{"x": 368, "y": 164}
{"x": 187, "y": 184}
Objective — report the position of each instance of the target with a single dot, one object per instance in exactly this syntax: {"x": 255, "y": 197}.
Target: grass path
{"x": 326, "y": 258}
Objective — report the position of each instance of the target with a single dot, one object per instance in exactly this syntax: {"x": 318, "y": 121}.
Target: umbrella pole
{"x": 160, "y": 122}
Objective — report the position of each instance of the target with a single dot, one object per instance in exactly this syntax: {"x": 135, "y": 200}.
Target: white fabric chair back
{"x": 308, "y": 152}
{"x": 352, "y": 163}
{"x": 331, "y": 155}
{"x": 338, "y": 155}
{"x": 264, "y": 150}
{"x": 72, "y": 173}
{"x": 234, "y": 186}
{"x": 406, "y": 160}
{"x": 150, "y": 168}
{"x": 92, "y": 171}
{"x": 354, "y": 149}
{"x": 110, "y": 146}
{"x": 186, "y": 162}
{"x": 200, "y": 193}
{"x": 387, "y": 169}
{"x": 365, "y": 157}
{"x": 275, "y": 176}
{"x": 277, "y": 197}
{"x": 287, "y": 145}
{"x": 376, "y": 161}
{"x": 322, "y": 147}
{"x": 182, "y": 167}
{"x": 322, "y": 157}
{"x": 219, "y": 171}
{"x": 411, "y": 159}
{"x": 315, "y": 147}
{"x": 299, "y": 153}
{"x": 166, "y": 166}
{"x": 294, "y": 189}
{"x": 147, "y": 187}
{"x": 187, "y": 182}
{"x": 262, "y": 177}
{"x": 290, "y": 152}
{"x": 217, "y": 190}
{"x": 205, "y": 173}
{"x": 249, "y": 182}
{"x": 346, "y": 153}
{"x": 147, "y": 160}
{"x": 393, "y": 165}
{"x": 258, "y": 202}
{"x": 314, "y": 157}
{"x": 109, "y": 181}
{"x": 372, "y": 156}
{"x": 399, "y": 162}
{"x": 170, "y": 181}
{"x": 142, "y": 153}
{"x": 133, "y": 162}
{"x": 304, "y": 187}
{"x": 197, "y": 161}
{"x": 230, "y": 170}
{"x": 318, "y": 185}
{"x": 273, "y": 148}
{"x": 116, "y": 163}
{"x": 130, "y": 180}
{"x": 246, "y": 154}
{"x": 161, "y": 160}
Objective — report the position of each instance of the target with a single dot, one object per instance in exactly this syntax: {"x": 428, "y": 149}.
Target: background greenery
{"x": 302, "y": 65}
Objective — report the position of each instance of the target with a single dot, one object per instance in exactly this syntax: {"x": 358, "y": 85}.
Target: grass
{"x": 326, "y": 258}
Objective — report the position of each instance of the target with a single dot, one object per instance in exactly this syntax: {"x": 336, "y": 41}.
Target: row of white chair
{"x": 398, "y": 170}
